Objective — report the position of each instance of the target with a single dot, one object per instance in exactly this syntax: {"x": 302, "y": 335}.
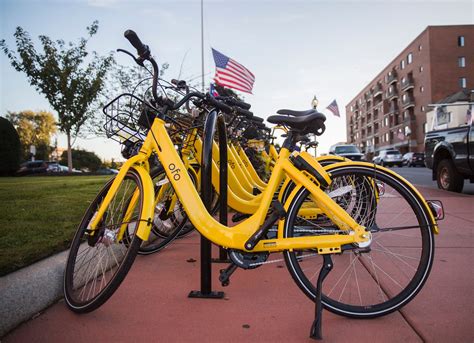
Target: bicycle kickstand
{"x": 316, "y": 330}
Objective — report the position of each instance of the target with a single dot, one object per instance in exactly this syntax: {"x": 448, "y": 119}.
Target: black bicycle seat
{"x": 311, "y": 123}
{"x": 296, "y": 113}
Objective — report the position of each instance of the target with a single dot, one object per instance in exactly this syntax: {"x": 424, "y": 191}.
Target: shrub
{"x": 10, "y": 148}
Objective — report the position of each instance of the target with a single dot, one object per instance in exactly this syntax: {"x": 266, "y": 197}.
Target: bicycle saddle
{"x": 296, "y": 113}
{"x": 311, "y": 123}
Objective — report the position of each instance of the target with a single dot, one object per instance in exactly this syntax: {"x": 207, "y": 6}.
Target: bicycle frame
{"x": 236, "y": 236}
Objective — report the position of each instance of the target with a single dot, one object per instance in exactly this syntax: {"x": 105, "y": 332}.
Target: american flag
{"x": 232, "y": 74}
{"x": 334, "y": 108}
{"x": 401, "y": 135}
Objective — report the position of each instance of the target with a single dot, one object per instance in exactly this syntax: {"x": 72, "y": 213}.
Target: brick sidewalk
{"x": 265, "y": 305}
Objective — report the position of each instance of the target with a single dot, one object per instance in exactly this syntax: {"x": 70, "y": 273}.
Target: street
{"x": 422, "y": 177}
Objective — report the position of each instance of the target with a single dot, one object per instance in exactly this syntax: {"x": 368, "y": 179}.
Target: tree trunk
{"x": 69, "y": 152}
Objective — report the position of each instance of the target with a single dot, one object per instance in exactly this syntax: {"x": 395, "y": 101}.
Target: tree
{"x": 9, "y": 148}
{"x": 34, "y": 128}
{"x": 60, "y": 72}
{"x": 83, "y": 159}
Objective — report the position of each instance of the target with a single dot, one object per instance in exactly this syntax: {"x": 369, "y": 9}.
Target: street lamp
{"x": 314, "y": 104}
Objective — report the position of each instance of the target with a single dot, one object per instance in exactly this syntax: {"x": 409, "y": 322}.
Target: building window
{"x": 402, "y": 64}
{"x": 425, "y": 126}
{"x": 460, "y": 40}
{"x": 422, "y": 108}
{"x": 422, "y": 89}
{"x": 421, "y": 69}
{"x": 462, "y": 62}
{"x": 420, "y": 47}
{"x": 385, "y": 121}
{"x": 404, "y": 97}
{"x": 386, "y": 137}
{"x": 410, "y": 58}
{"x": 463, "y": 82}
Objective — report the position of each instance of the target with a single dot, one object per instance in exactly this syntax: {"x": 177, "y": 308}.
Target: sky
{"x": 295, "y": 49}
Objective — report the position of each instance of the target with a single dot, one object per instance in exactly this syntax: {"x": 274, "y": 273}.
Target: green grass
{"x": 39, "y": 215}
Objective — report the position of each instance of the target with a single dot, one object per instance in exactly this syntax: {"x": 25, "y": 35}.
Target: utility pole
{"x": 202, "y": 44}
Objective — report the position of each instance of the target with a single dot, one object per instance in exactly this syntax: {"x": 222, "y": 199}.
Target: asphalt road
{"x": 422, "y": 176}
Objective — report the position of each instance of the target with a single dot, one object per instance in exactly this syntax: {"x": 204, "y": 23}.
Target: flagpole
{"x": 202, "y": 45}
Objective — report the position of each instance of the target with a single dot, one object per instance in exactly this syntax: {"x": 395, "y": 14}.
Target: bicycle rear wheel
{"x": 386, "y": 274}
{"x": 98, "y": 262}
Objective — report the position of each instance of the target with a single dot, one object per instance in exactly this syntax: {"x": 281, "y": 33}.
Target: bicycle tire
{"x": 407, "y": 253}
{"x": 87, "y": 289}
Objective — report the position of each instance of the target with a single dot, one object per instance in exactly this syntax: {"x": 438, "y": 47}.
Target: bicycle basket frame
{"x": 122, "y": 118}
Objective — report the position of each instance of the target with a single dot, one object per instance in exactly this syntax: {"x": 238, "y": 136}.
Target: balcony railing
{"x": 392, "y": 93}
{"x": 393, "y": 108}
{"x": 392, "y": 77}
{"x": 408, "y": 102}
{"x": 407, "y": 83}
{"x": 377, "y": 90}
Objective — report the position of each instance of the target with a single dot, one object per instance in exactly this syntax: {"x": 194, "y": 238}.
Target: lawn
{"x": 39, "y": 215}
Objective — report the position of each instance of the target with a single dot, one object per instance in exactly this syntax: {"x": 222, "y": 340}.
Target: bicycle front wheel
{"x": 382, "y": 276}
{"x": 99, "y": 260}
{"x": 169, "y": 218}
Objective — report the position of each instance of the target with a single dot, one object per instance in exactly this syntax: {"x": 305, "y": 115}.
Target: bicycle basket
{"x": 122, "y": 121}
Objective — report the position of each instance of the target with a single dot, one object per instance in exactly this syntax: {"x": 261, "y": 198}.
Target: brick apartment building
{"x": 390, "y": 112}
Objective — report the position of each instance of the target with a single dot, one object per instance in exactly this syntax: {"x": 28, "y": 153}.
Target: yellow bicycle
{"x": 375, "y": 225}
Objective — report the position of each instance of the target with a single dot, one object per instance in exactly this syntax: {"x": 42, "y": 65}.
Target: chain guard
{"x": 248, "y": 260}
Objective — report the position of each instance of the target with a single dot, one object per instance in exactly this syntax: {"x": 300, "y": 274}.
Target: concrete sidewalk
{"x": 264, "y": 304}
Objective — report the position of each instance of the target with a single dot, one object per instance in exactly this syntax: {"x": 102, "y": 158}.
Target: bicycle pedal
{"x": 224, "y": 276}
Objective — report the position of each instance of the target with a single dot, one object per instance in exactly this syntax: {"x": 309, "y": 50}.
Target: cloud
{"x": 104, "y": 3}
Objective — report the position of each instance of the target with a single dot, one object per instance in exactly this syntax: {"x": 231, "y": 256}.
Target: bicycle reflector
{"x": 436, "y": 207}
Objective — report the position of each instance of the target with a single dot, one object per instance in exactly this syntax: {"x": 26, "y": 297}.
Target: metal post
{"x": 206, "y": 195}
{"x": 221, "y": 128}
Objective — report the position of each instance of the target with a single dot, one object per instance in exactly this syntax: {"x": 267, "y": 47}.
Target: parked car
{"x": 349, "y": 151}
{"x": 389, "y": 157}
{"x": 53, "y": 167}
{"x": 106, "y": 171}
{"x": 32, "y": 167}
{"x": 450, "y": 154}
{"x": 413, "y": 159}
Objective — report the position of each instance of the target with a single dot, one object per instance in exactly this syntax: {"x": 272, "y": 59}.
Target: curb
{"x": 29, "y": 290}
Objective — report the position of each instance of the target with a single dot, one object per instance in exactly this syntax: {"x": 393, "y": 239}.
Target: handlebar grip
{"x": 220, "y": 105}
{"x": 234, "y": 102}
{"x": 132, "y": 37}
{"x": 238, "y": 103}
{"x": 242, "y": 112}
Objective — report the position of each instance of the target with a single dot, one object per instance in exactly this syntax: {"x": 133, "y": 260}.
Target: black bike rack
{"x": 206, "y": 194}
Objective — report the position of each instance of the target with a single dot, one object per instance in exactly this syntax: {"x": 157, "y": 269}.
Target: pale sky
{"x": 296, "y": 49}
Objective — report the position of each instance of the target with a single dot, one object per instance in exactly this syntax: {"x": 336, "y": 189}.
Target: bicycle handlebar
{"x": 142, "y": 49}
{"x": 144, "y": 53}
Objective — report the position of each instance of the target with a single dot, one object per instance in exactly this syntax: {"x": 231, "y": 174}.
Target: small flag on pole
{"x": 212, "y": 91}
{"x": 334, "y": 108}
{"x": 232, "y": 74}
